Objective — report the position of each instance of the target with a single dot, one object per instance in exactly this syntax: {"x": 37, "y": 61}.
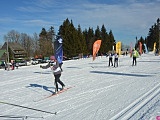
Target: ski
{"x": 28, "y": 107}
{"x": 54, "y": 94}
{"x": 59, "y": 92}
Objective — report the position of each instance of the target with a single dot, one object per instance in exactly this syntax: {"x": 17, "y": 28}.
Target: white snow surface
{"x": 97, "y": 92}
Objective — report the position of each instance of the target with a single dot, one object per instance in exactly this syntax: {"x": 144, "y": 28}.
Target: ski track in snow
{"x": 134, "y": 107}
{"x": 100, "y": 93}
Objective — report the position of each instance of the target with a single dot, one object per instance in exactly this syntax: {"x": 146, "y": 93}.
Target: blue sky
{"x": 126, "y": 18}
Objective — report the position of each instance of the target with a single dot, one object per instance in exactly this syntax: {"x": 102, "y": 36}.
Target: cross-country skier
{"x": 110, "y": 59}
{"x": 135, "y": 54}
{"x": 54, "y": 65}
{"x": 115, "y": 60}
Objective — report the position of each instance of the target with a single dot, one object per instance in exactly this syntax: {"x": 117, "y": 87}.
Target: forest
{"x": 75, "y": 40}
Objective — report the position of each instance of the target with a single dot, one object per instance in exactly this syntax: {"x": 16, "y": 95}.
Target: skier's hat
{"x": 52, "y": 58}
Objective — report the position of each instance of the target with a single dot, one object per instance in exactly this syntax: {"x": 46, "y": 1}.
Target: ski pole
{"x": 14, "y": 116}
{"x": 55, "y": 113}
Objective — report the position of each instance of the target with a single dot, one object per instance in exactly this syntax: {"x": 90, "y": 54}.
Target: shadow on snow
{"x": 40, "y": 86}
{"x": 150, "y": 61}
{"x": 43, "y": 72}
{"x": 73, "y": 67}
{"x": 115, "y": 73}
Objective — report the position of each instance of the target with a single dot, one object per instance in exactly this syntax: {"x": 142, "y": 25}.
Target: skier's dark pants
{"x": 134, "y": 61}
{"x": 57, "y": 80}
{"x": 110, "y": 61}
{"x": 116, "y": 62}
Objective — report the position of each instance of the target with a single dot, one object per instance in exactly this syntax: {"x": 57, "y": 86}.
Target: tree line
{"x": 152, "y": 37}
{"x": 75, "y": 41}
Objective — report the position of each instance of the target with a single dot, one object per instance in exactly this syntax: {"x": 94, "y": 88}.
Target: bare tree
{"x": 30, "y": 44}
{"x": 12, "y": 36}
{"x": 35, "y": 45}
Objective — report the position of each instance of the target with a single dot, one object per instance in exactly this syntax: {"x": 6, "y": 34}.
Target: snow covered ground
{"x": 97, "y": 92}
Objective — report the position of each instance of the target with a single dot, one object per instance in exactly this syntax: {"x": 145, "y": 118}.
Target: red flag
{"x": 140, "y": 48}
{"x": 96, "y": 47}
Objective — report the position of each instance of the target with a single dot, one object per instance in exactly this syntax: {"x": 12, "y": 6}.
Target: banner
{"x": 118, "y": 48}
{"x": 145, "y": 46}
{"x": 140, "y": 48}
{"x": 154, "y": 47}
{"x": 58, "y": 49}
{"x": 96, "y": 47}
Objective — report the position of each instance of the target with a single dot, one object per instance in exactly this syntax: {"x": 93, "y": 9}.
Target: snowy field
{"x": 97, "y": 92}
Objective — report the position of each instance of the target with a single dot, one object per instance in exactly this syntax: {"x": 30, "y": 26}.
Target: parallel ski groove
{"x": 134, "y": 107}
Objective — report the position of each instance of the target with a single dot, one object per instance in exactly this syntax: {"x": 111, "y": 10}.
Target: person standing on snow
{"x": 54, "y": 65}
{"x": 135, "y": 54}
{"x": 115, "y": 60}
{"x": 110, "y": 59}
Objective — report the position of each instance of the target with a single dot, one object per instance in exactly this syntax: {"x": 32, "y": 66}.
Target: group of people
{"x": 8, "y": 66}
{"x": 134, "y": 55}
{"x": 115, "y": 59}
{"x": 14, "y": 64}
{"x": 56, "y": 67}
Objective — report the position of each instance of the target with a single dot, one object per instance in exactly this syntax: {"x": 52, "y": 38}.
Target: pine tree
{"x": 153, "y": 36}
{"x": 81, "y": 42}
{"x": 90, "y": 39}
{"x": 111, "y": 41}
{"x": 104, "y": 36}
{"x": 45, "y": 42}
{"x": 68, "y": 33}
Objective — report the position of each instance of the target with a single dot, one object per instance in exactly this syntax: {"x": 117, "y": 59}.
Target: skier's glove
{"x": 40, "y": 66}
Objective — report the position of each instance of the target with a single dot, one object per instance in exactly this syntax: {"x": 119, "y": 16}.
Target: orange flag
{"x": 140, "y": 48}
{"x": 96, "y": 47}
